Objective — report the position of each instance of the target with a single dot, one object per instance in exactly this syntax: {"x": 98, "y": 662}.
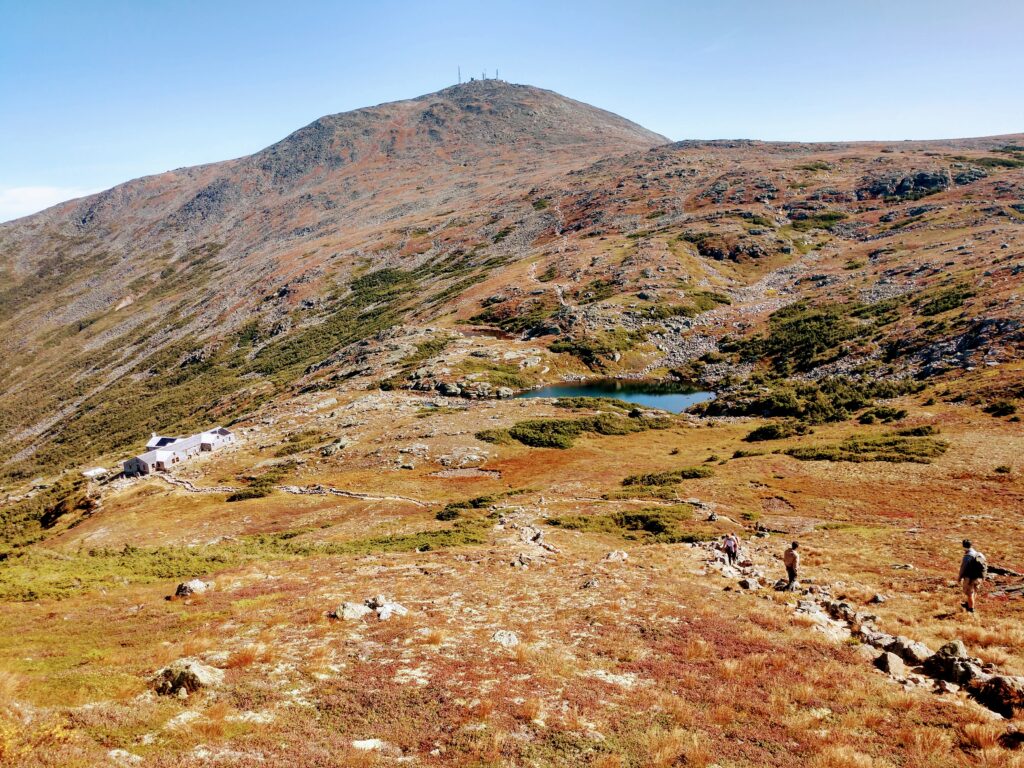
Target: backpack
{"x": 976, "y": 567}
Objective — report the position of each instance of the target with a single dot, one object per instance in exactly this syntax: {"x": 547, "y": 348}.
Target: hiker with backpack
{"x": 791, "y": 559}
{"x": 731, "y": 546}
{"x": 973, "y": 570}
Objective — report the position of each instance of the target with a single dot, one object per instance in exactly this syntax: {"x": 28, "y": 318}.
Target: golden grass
{"x": 676, "y": 746}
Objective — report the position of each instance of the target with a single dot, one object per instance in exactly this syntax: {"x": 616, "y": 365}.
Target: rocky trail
{"x": 912, "y": 664}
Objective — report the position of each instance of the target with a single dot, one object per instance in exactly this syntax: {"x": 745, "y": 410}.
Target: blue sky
{"x": 92, "y": 94}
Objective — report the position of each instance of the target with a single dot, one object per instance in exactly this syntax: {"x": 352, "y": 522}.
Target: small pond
{"x": 666, "y": 396}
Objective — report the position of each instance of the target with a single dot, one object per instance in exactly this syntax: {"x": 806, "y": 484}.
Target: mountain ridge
{"x": 253, "y": 269}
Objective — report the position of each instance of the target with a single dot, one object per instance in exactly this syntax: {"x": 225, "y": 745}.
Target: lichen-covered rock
{"x": 192, "y": 587}
{"x": 505, "y": 638}
{"x": 351, "y": 611}
{"x": 188, "y": 675}
{"x": 386, "y": 608}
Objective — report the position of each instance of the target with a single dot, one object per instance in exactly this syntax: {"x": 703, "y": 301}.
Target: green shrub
{"x": 816, "y": 165}
{"x": 672, "y": 477}
{"x": 593, "y": 350}
{"x": 892, "y": 447}
{"x": 944, "y": 301}
{"x": 775, "y": 431}
{"x": 547, "y": 433}
{"x": 882, "y": 413}
{"x": 827, "y": 400}
{"x": 548, "y": 274}
{"x": 801, "y": 337}
{"x": 821, "y": 220}
{"x": 925, "y": 430}
{"x": 1000, "y": 408}
{"x": 594, "y": 403}
{"x": 743, "y": 454}
{"x": 253, "y": 492}
{"x": 654, "y": 525}
{"x": 562, "y": 433}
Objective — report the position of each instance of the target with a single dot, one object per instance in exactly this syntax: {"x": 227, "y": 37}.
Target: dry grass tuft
{"x": 249, "y": 655}
{"x": 844, "y": 757}
{"x": 677, "y": 746}
{"x": 212, "y": 725}
{"x": 531, "y": 710}
{"x": 980, "y": 736}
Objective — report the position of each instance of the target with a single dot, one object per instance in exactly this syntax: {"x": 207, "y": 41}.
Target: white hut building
{"x": 164, "y": 452}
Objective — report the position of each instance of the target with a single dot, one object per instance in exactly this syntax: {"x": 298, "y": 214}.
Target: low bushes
{"x": 658, "y": 524}
{"x": 827, "y": 400}
{"x": 944, "y": 301}
{"x": 669, "y": 478}
{"x": 593, "y": 350}
{"x": 778, "y": 431}
{"x": 892, "y": 447}
{"x": 562, "y": 433}
{"x": 262, "y": 485}
{"x": 882, "y": 413}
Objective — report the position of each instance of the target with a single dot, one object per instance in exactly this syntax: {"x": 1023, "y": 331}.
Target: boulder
{"x": 386, "y": 608}
{"x": 504, "y": 393}
{"x": 449, "y": 389}
{"x": 750, "y": 584}
{"x": 951, "y": 663}
{"x": 1002, "y": 693}
{"x": 522, "y": 560}
{"x": 875, "y": 638}
{"x": 877, "y": 600}
{"x": 188, "y": 675}
{"x": 192, "y": 587}
{"x": 909, "y": 650}
{"x": 954, "y": 649}
{"x": 505, "y": 638}
{"x": 351, "y": 611}
{"x": 616, "y": 556}
{"x": 891, "y": 664}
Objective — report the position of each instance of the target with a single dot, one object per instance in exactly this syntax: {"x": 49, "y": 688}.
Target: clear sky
{"x": 95, "y": 93}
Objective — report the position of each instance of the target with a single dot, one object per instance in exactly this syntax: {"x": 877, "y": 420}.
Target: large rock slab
{"x": 891, "y": 664}
{"x": 910, "y": 651}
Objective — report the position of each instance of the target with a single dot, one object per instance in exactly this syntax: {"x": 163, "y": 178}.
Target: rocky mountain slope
{"x": 399, "y": 563}
{"x": 189, "y": 258}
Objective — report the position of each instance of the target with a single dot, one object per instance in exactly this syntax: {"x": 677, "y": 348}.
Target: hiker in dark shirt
{"x": 973, "y": 569}
{"x": 791, "y": 559}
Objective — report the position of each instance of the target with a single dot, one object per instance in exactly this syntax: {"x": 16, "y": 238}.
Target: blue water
{"x": 649, "y": 395}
